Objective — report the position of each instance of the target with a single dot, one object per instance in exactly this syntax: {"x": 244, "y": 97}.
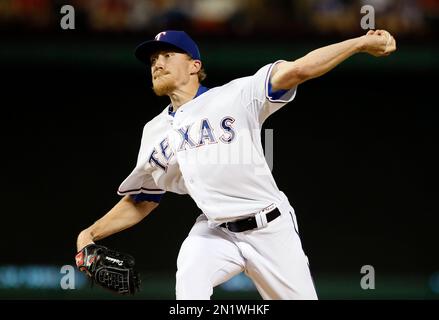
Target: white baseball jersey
{"x": 211, "y": 149}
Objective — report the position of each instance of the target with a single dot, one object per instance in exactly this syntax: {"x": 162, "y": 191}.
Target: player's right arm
{"x": 126, "y": 213}
{"x": 289, "y": 74}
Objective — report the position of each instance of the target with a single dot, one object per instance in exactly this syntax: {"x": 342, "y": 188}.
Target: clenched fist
{"x": 378, "y": 43}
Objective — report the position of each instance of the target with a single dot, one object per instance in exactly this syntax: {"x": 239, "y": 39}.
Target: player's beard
{"x": 163, "y": 85}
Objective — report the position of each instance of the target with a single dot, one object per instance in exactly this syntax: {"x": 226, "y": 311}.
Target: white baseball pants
{"x": 272, "y": 257}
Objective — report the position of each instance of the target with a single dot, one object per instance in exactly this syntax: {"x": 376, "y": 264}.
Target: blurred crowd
{"x": 242, "y": 17}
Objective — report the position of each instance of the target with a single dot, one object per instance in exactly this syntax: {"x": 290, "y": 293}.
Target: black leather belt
{"x": 249, "y": 223}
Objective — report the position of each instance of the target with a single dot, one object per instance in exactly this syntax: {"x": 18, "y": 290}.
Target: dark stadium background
{"x": 356, "y": 152}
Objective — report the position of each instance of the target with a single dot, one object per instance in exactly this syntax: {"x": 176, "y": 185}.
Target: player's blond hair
{"x": 201, "y": 74}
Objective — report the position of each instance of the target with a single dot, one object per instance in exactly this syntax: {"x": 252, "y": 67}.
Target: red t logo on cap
{"x": 157, "y": 37}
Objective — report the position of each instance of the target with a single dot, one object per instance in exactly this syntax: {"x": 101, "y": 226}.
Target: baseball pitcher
{"x": 206, "y": 143}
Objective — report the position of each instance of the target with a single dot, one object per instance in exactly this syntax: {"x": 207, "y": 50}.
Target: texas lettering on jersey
{"x": 162, "y": 154}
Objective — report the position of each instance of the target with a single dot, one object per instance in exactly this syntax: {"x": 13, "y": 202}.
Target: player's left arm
{"x": 289, "y": 74}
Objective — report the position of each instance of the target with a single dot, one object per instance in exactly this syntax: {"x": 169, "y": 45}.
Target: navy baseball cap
{"x": 169, "y": 39}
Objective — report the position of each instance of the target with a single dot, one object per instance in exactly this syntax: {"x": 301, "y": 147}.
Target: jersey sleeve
{"x": 140, "y": 184}
{"x": 259, "y": 98}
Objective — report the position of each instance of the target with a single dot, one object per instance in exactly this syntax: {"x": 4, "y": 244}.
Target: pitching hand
{"x": 378, "y": 43}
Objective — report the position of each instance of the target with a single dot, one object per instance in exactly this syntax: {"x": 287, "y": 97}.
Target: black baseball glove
{"x": 110, "y": 269}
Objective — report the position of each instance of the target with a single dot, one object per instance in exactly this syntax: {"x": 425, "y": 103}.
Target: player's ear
{"x": 195, "y": 66}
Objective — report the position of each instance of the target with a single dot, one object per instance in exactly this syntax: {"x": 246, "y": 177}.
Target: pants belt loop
{"x": 261, "y": 220}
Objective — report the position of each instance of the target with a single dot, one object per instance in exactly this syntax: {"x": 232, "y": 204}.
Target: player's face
{"x": 169, "y": 70}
